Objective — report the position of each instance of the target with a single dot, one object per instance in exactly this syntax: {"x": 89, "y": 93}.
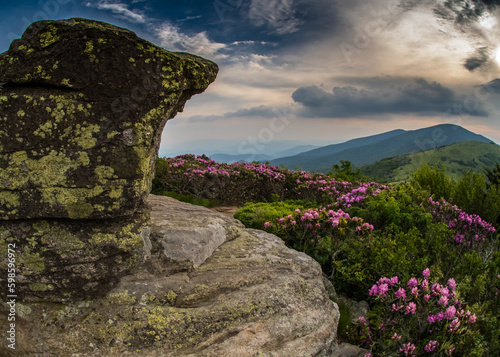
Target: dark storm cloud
{"x": 261, "y": 111}
{"x": 477, "y": 60}
{"x": 464, "y": 11}
{"x": 409, "y": 96}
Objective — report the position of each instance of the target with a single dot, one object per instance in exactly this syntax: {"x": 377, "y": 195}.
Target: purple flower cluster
{"x": 204, "y": 178}
{"x": 322, "y": 188}
{"x": 411, "y": 309}
{"x": 320, "y": 222}
{"x": 470, "y": 229}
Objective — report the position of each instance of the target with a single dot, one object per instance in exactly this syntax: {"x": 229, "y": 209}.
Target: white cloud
{"x": 120, "y": 10}
{"x": 277, "y": 15}
{"x": 173, "y": 39}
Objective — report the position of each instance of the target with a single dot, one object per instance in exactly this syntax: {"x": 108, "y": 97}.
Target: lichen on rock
{"x": 60, "y": 104}
{"x": 252, "y": 297}
{"x": 80, "y": 129}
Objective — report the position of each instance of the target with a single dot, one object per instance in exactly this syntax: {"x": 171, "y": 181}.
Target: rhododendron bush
{"x": 417, "y": 318}
{"x": 364, "y": 232}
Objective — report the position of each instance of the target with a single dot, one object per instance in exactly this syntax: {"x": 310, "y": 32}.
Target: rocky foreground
{"x": 246, "y": 295}
{"x": 101, "y": 269}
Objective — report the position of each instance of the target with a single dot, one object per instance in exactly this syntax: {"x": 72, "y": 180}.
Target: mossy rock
{"x": 82, "y": 108}
{"x": 63, "y": 260}
{"x": 252, "y": 297}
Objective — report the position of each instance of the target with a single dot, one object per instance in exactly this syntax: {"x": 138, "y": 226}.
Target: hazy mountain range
{"x": 368, "y": 150}
{"x": 390, "y": 156}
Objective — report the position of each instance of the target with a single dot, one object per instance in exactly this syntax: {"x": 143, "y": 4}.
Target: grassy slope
{"x": 456, "y": 158}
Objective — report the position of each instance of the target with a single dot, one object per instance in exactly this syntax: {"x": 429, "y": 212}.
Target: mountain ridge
{"x": 456, "y": 158}
{"x": 368, "y": 150}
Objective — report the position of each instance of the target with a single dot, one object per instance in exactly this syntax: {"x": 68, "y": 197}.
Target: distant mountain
{"x": 456, "y": 158}
{"x": 229, "y": 159}
{"x": 368, "y": 150}
{"x": 295, "y": 150}
{"x": 493, "y": 86}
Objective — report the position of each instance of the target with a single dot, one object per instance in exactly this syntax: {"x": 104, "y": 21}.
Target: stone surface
{"x": 356, "y": 308}
{"x": 61, "y": 260}
{"x": 193, "y": 240}
{"x": 82, "y": 109}
{"x": 348, "y": 350}
{"x": 251, "y": 297}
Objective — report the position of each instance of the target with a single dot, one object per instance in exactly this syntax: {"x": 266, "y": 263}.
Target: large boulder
{"x": 82, "y": 108}
{"x": 252, "y": 297}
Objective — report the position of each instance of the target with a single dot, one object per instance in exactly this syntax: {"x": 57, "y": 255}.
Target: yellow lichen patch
{"x": 65, "y": 82}
{"x": 79, "y": 210}
{"x": 83, "y": 135}
{"x": 20, "y": 113}
{"x": 44, "y": 129}
{"x": 89, "y": 47}
{"x": 116, "y": 192}
{"x": 131, "y": 59}
{"x": 9, "y": 199}
{"x": 112, "y": 134}
{"x": 104, "y": 173}
{"x": 38, "y": 287}
{"x": 45, "y": 171}
{"x": 49, "y": 37}
{"x": 123, "y": 298}
{"x": 32, "y": 261}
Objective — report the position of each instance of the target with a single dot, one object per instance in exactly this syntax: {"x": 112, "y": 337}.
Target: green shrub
{"x": 255, "y": 215}
{"x": 433, "y": 180}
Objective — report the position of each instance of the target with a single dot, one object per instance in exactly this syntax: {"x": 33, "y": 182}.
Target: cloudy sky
{"x": 310, "y": 71}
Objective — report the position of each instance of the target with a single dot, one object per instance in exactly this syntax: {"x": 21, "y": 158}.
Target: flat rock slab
{"x": 252, "y": 297}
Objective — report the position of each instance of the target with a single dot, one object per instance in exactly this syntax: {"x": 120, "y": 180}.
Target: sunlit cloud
{"x": 172, "y": 38}
{"x": 120, "y": 10}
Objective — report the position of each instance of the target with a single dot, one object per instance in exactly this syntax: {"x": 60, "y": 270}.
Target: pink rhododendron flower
{"x": 450, "y": 313}
{"x": 443, "y": 301}
{"x": 396, "y": 337}
{"x": 407, "y": 348}
{"x": 431, "y": 346}
{"x": 401, "y": 294}
{"x": 452, "y": 284}
{"x": 383, "y": 289}
{"x": 426, "y": 273}
{"x": 412, "y": 283}
{"x": 411, "y": 308}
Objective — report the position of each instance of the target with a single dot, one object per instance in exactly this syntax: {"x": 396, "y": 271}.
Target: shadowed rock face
{"x": 82, "y": 107}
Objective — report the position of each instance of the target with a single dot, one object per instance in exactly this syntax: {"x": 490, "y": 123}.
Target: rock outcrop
{"x": 251, "y": 297}
{"x": 82, "y": 107}
{"x": 101, "y": 268}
